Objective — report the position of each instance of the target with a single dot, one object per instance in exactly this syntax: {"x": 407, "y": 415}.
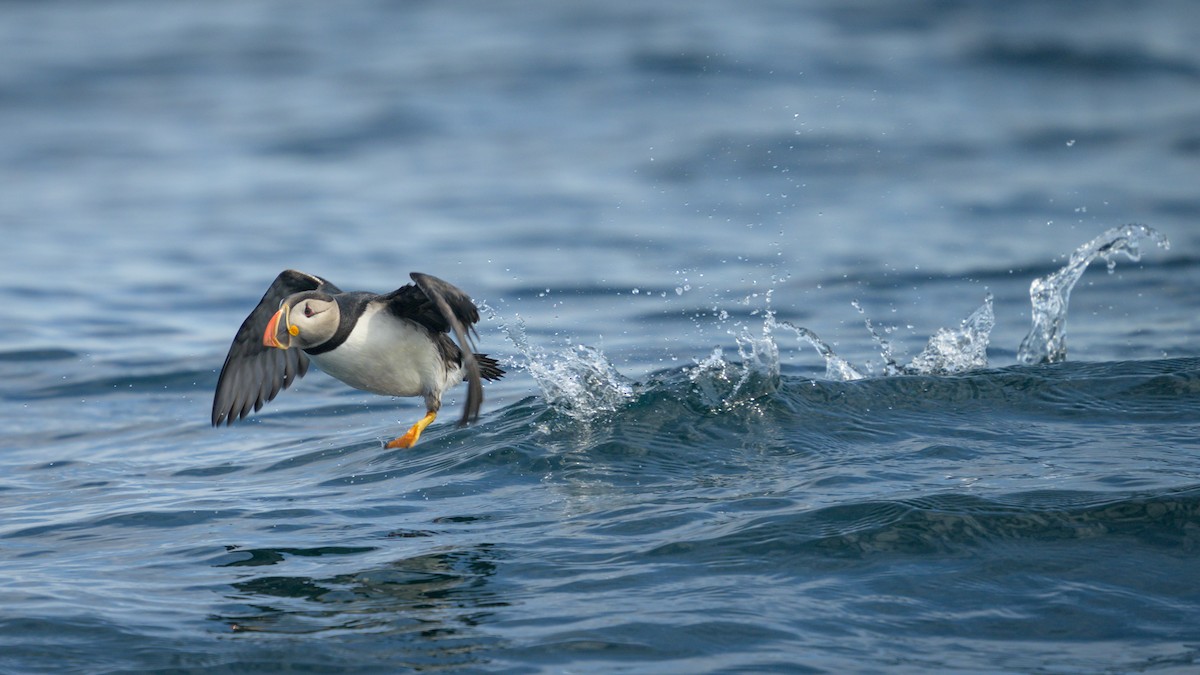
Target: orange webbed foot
{"x": 410, "y": 439}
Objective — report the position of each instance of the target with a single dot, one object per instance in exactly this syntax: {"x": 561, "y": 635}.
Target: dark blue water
{"x": 650, "y": 199}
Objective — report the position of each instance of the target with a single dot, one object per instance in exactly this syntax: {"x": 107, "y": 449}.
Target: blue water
{"x": 646, "y": 198}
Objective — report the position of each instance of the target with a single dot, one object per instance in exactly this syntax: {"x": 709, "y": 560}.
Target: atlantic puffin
{"x": 394, "y": 344}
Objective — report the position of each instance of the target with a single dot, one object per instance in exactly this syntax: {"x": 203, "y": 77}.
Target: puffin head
{"x": 304, "y": 320}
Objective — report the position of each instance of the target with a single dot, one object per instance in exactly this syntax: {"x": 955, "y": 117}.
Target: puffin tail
{"x": 489, "y": 368}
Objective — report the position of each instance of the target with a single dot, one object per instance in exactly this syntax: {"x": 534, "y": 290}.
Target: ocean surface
{"x": 779, "y": 397}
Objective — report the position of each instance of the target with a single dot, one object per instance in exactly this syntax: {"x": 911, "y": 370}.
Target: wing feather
{"x": 442, "y": 307}
{"x": 254, "y": 373}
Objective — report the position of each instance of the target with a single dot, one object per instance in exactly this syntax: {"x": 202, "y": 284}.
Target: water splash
{"x": 712, "y": 378}
{"x": 1049, "y": 295}
{"x": 723, "y": 384}
{"x": 578, "y": 380}
{"x": 836, "y": 368}
{"x": 956, "y": 351}
{"x": 890, "y": 367}
{"x": 760, "y": 356}
{"x": 949, "y": 351}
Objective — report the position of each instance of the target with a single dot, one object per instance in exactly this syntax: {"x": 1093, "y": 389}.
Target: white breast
{"x": 389, "y": 356}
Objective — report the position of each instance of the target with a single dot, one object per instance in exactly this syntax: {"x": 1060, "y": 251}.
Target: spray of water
{"x": 890, "y": 367}
{"x": 722, "y": 383}
{"x": 958, "y": 350}
{"x": 580, "y": 381}
{"x": 836, "y": 368}
{"x": 1049, "y": 295}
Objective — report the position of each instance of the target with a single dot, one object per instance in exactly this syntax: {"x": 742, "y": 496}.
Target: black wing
{"x": 443, "y": 307}
{"x": 254, "y": 373}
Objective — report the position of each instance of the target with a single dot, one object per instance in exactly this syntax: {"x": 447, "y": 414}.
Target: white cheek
{"x": 315, "y": 329}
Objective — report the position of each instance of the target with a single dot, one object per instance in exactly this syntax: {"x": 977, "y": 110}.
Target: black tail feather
{"x": 489, "y": 368}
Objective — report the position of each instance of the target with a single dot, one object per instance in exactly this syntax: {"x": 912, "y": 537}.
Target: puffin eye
{"x": 308, "y": 310}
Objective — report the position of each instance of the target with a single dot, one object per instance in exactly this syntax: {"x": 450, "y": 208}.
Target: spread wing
{"x": 254, "y": 373}
{"x": 444, "y": 308}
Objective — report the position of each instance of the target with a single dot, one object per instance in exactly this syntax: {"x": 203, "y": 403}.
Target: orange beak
{"x": 276, "y": 327}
